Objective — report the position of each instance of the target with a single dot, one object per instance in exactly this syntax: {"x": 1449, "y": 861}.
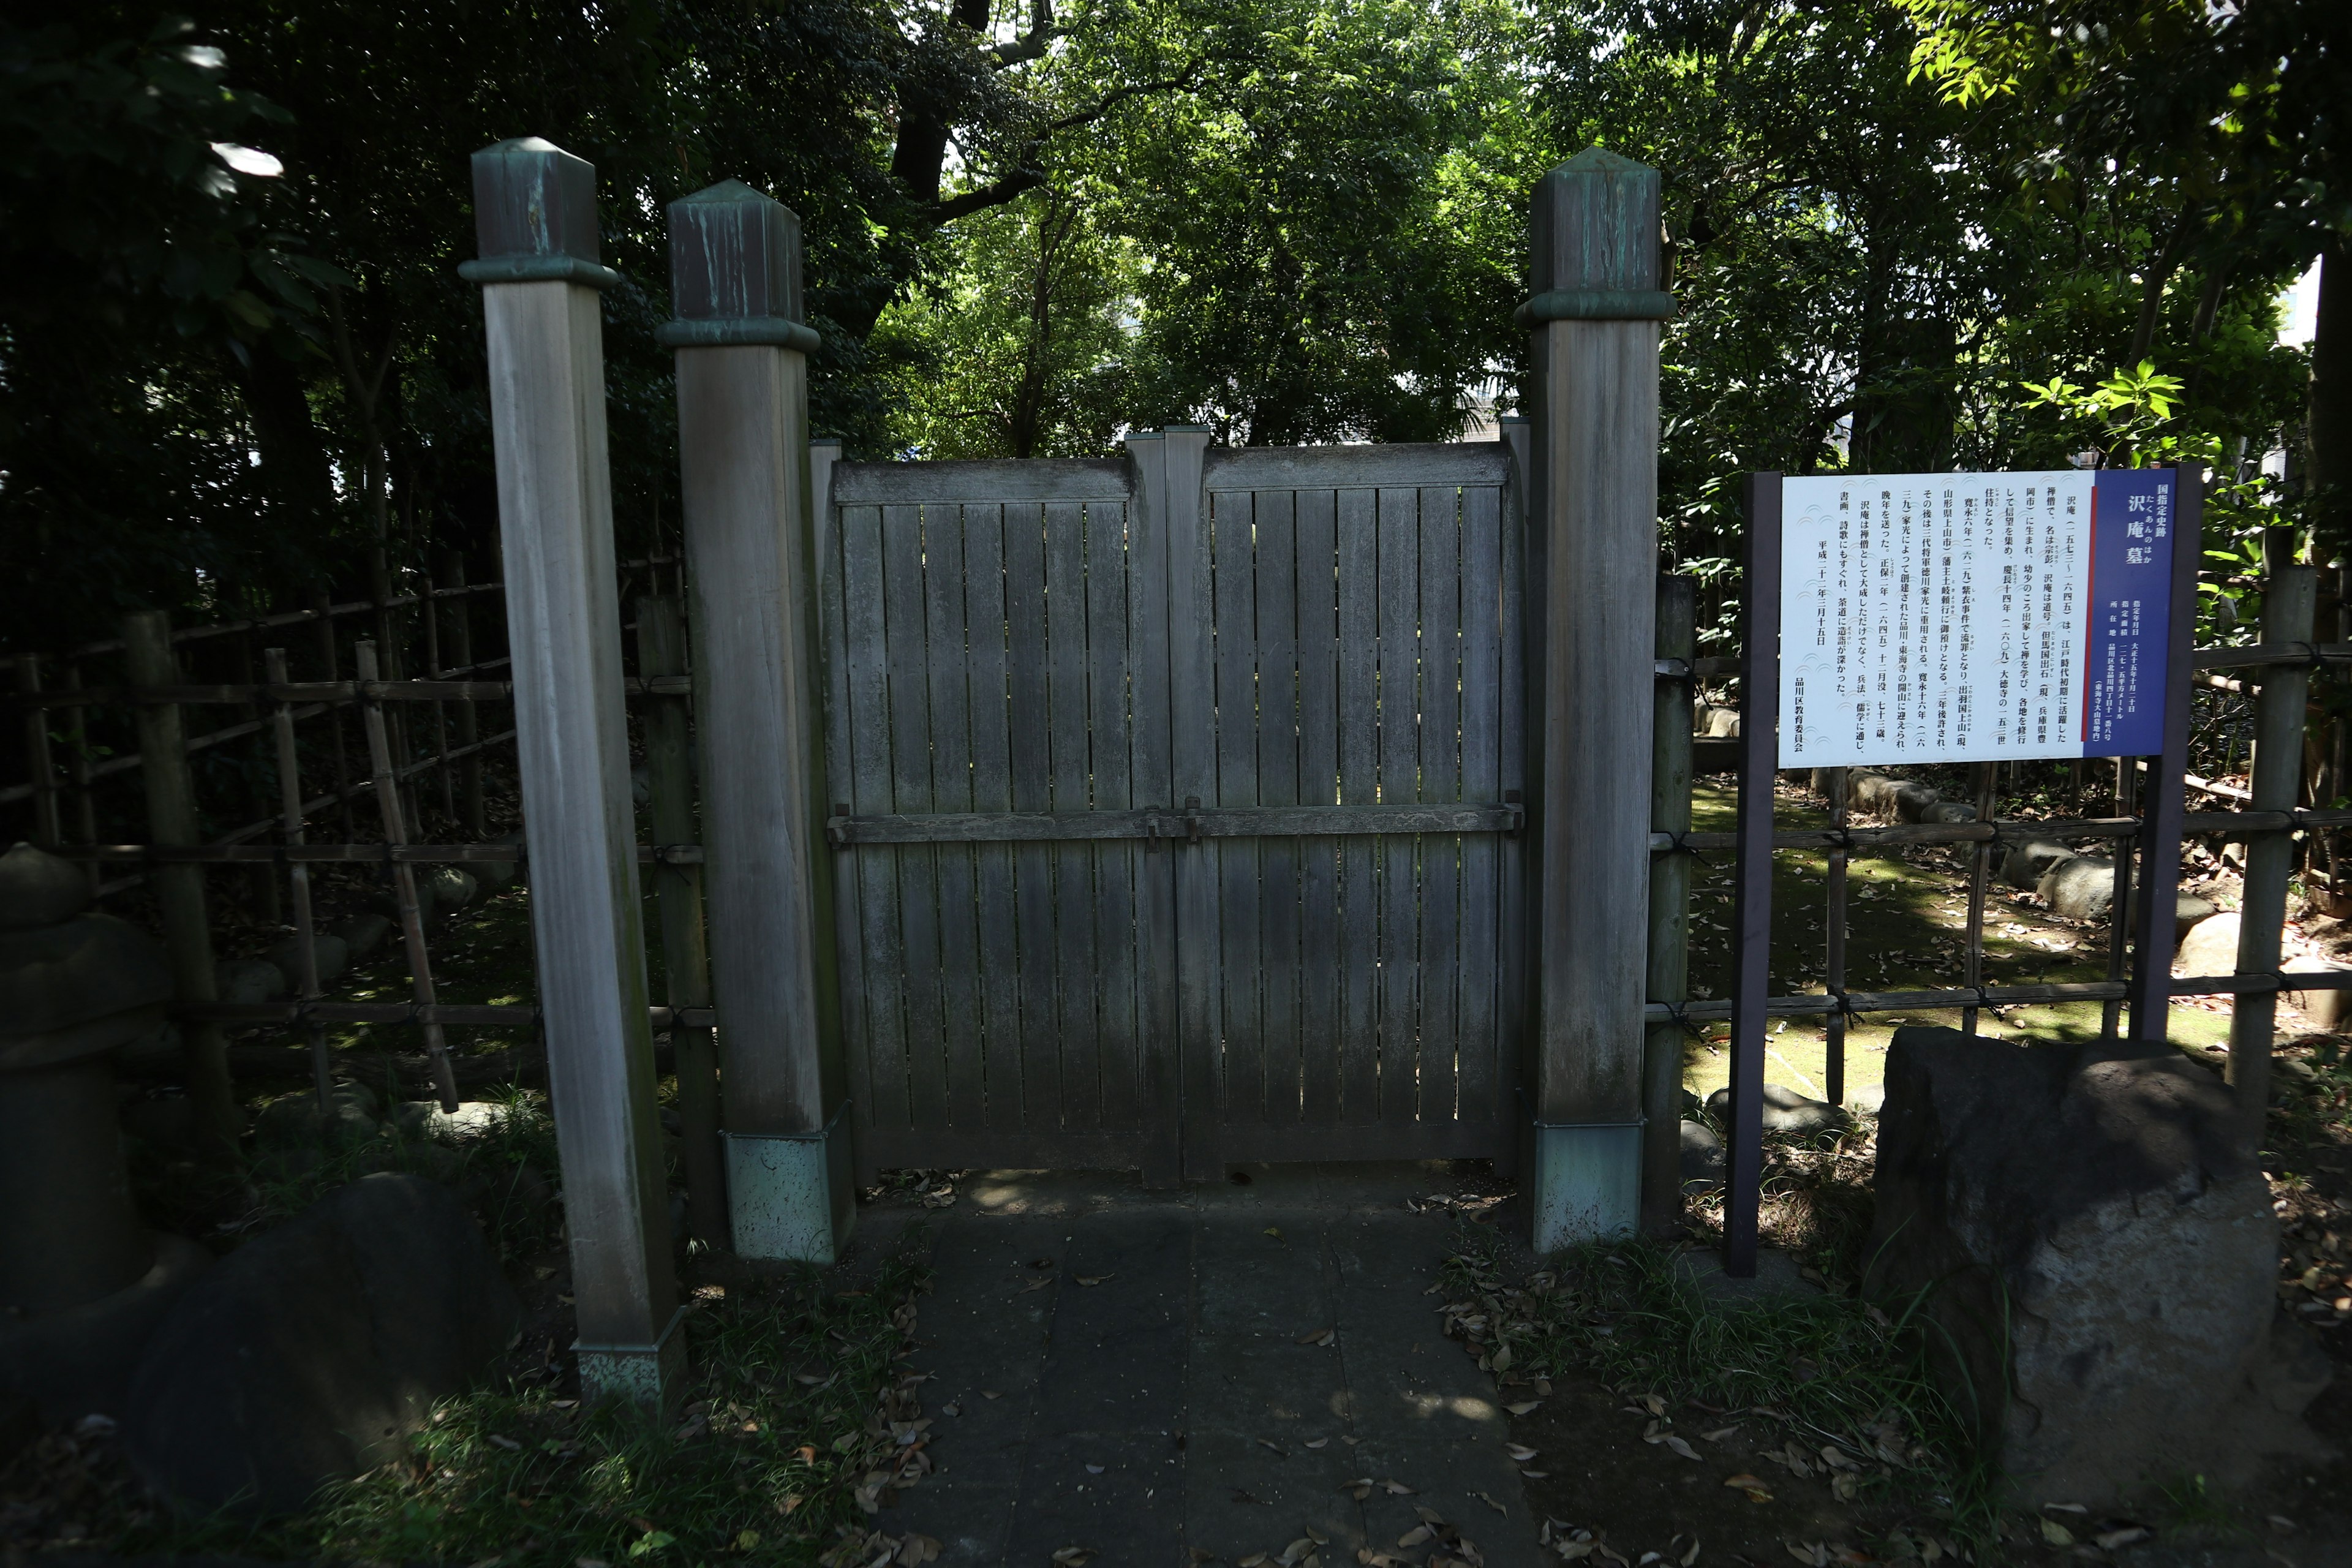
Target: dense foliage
{"x": 237, "y": 366}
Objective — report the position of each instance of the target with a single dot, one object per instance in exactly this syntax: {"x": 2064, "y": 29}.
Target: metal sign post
{"x": 1917, "y": 618}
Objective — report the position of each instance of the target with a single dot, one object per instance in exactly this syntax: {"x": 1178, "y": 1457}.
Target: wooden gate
{"x": 1177, "y": 801}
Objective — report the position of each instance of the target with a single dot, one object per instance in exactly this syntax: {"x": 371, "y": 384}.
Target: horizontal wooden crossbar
{"x": 2227, "y": 824}
{"x": 313, "y": 692}
{"x": 364, "y": 854}
{"x": 1189, "y": 823}
{"x": 2002, "y": 995}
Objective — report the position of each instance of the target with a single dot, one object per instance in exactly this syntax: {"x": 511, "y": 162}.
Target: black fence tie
{"x": 1678, "y": 843}
{"x": 1844, "y": 1007}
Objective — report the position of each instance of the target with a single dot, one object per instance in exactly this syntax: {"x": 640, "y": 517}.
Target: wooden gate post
{"x": 742, "y": 416}
{"x": 535, "y": 215}
{"x": 1592, "y": 561}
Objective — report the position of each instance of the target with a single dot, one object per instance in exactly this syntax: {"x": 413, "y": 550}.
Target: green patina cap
{"x": 535, "y": 217}
{"x": 1594, "y": 243}
{"x": 734, "y": 271}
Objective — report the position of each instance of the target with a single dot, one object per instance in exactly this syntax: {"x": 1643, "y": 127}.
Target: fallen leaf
{"x": 1428, "y": 1515}
{"x": 1268, "y": 1445}
{"x": 1361, "y": 1486}
{"x": 1092, "y": 1279}
{"x": 1845, "y": 1486}
{"x": 1417, "y": 1535}
{"x": 1519, "y": 1452}
{"x": 1534, "y": 1475}
{"x": 2131, "y": 1536}
{"x": 1810, "y": 1555}
{"x": 1685, "y": 1555}
{"x": 1275, "y": 1231}
{"x": 509, "y": 1444}
{"x": 1316, "y": 1536}
{"x": 1718, "y": 1435}
{"x": 1255, "y": 1560}
{"x": 1656, "y": 1404}
{"x": 1523, "y": 1407}
{"x": 1502, "y": 1360}
{"x": 1037, "y": 1285}
{"x": 1396, "y": 1488}
{"x": 1679, "y": 1446}
{"x": 1297, "y": 1549}
{"x": 2056, "y": 1534}
{"x": 811, "y": 1379}
{"x": 990, "y": 1393}
{"x": 1756, "y": 1489}
{"x": 1203, "y": 1554}
{"x": 1319, "y": 1442}
{"x": 1315, "y": 1337}
{"x": 1490, "y": 1502}
{"x": 1073, "y": 1557}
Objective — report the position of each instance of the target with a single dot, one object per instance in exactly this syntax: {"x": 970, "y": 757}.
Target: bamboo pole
{"x": 332, "y": 664}
{"x": 404, "y": 882}
{"x": 678, "y": 892}
{"x": 2119, "y": 909}
{"x": 458, "y": 641}
{"x": 298, "y": 876}
{"x": 1670, "y": 877}
{"x": 179, "y": 889}
{"x": 1834, "y": 971}
{"x": 49, "y": 828}
{"x": 2289, "y": 602}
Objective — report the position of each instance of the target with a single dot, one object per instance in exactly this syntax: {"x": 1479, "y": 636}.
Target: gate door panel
{"x": 984, "y": 667}
{"x": 1177, "y": 805}
{"x": 1364, "y": 645}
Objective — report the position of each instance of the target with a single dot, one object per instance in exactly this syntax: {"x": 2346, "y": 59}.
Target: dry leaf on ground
{"x": 1756, "y": 1489}
{"x": 1092, "y": 1279}
{"x": 1523, "y": 1407}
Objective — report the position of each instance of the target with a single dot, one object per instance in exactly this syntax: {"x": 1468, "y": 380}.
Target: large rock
{"x": 364, "y": 933}
{"x": 1702, "y": 1165}
{"x": 1873, "y": 793}
{"x": 248, "y": 980}
{"x": 2025, "y": 865}
{"x": 312, "y": 1351}
{"x": 1913, "y": 801}
{"x": 452, "y": 889}
{"x": 332, "y": 952}
{"x": 1942, "y": 810}
{"x": 2080, "y": 888}
{"x": 2329, "y": 1008}
{"x": 1787, "y": 1113}
{"x": 2087, "y": 1233}
{"x": 2210, "y": 948}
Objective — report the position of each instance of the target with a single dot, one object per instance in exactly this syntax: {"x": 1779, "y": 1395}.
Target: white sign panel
{"x": 1951, "y": 618}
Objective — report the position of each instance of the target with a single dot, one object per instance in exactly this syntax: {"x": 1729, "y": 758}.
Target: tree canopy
{"x": 239, "y": 368}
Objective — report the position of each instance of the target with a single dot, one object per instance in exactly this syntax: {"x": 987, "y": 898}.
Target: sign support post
{"x": 1760, "y": 701}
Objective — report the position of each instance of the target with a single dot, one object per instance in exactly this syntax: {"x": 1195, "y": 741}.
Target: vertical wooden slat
{"x": 977, "y": 1088}
{"x": 1275, "y": 515}
{"x": 1116, "y": 866}
{"x": 1441, "y": 779}
{"x": 1234, "y": 615}
{"x": 1483, "y": 653}
{"x": 1032, "y": 790}
{"x": 1512, "y": 1054}
{"x": 1073, "y": 887}
{"x": 928, "y": 1099}
{"x": 1148, "y": 662}
{"x": 1400, "y": 755}
{"x": 993, "y": 742}
{"x": 865, "y": 728}
{"x": 826, "y": 554}
{"x": 1320, "y": 1032}
{"x": 1192, "y": 775}
{"x": 1356, "y": 563}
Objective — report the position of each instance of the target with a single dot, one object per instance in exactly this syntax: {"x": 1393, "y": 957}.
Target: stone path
{"x": 1123, "y": 1371}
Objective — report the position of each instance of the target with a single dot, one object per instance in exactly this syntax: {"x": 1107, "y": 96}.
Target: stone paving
{"x": 1161, "y": 1378}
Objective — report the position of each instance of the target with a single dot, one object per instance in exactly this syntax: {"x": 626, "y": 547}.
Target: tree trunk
{"x": 2327, "y": 420}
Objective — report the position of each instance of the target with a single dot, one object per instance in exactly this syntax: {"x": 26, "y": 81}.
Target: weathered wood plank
{"x": 1319, "y": 772}
{"x": 1400, "y": 759}
{"x": 1032, "y": 790}
{"x": 1357, "y": 561}
{"x": 1234, "y": 615}
{"x": 1371, "y": 467}
{"x": 1483, "y": 652}
{"x": 973, "y": 1086}
{"x": 1511, "y": 859}
{"x": 1441, "y": 779}
{"x": 1116, "y": 866}
{"x": 864, "y": 736}
{"x": 1192, "y": 774}
{"x": 1072, "y": 865}
{"x": 1161, "y": 824}
{"x": 1276, "y": 525}
{"x": 983, "y": 482}
{"x": 840, "y": 785}
{"x": 999, "y": 1019}
{"x": 1160, "y": 1089}
{"x": 904, "y": 600}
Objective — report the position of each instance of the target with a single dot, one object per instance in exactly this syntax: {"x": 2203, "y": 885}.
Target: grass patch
{"x": 801, "y": 1418}
{"x": 1837, "y": 1369}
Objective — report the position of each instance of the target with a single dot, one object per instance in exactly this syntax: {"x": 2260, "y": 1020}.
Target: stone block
{"x": 2330, "y": 1009}
{"x": 311, "y": 1352}
{"x": 362, "y": 934}
{"x": 248, "y": 980}
{"x": 1703, "y": 1158}
{"x": 1786, "y": 1112}
{"x": 452, "y": 889}
{"x": 1873, "y": 793}
{"x": 2079, "y": 888}
{"x": 2026, "y": 863}
{"x": 333, "y": 952}
{"x": 1913, "y": 801}
{"x": 1948, "y": 811}
{"x": 2096, "y": 1251}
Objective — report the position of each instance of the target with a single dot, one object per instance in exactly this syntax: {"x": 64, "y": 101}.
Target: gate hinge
{"x": 1192, "y": 817}
{"x": 1515, "y": 802}
{"x": 836, "y": 826}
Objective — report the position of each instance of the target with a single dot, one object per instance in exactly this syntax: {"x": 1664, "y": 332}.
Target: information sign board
{"x": 1963, "y": 617}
